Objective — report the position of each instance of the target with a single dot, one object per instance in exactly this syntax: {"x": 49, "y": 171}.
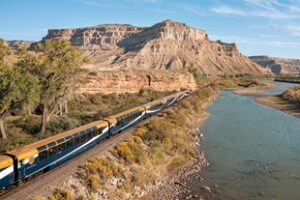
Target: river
{"x": 253, "y": 150}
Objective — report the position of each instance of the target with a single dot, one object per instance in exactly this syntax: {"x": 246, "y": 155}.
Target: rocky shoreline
{"x": 178, "y": 183}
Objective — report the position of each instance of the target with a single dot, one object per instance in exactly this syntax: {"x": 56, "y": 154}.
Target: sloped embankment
{"x": 145, "y": 162}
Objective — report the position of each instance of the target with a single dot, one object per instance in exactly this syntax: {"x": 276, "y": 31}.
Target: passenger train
{"x": 22, "y": 164}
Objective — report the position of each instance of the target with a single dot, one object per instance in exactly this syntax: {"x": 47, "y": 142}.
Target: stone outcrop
{"x": 17, "y": 44}
{"x": 278, "y": 65}
{"x": 167, "y": 45}
{"x": 108, "y": 35}
{"x": 128, "y": 81}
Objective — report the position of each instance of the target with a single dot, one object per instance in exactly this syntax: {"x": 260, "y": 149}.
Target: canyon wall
{"x": 167, "y": 45}
{"x": 128, "y": 81}
{"x": 278, "y": 65}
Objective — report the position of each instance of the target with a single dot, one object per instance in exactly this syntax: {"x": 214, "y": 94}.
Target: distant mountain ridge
{"x": 278, "y": 65}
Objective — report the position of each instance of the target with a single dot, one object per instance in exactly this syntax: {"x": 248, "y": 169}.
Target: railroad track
{"x": 33, "y": 187}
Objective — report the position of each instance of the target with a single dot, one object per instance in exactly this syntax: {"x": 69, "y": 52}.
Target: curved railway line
{"x": 45, "y": 179}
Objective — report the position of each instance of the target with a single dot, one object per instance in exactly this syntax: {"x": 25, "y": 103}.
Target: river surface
{"x": 253, "y": 150}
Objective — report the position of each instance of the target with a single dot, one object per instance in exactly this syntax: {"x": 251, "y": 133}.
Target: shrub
{"x": 292, "y": 94}
{"x": 176, "y": 163}
{"x": 61, "y": 194}
{"x": 93, "y": 181}
{"x": 30, "y": 124}
{"x": 62, "y": 124}
{"x": 130, "y": 151}
{"x": 102, "y": 166}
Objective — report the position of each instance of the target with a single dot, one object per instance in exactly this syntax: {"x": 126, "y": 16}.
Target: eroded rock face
{"x": 128, "y": 81}
{"x": 167, "y": 45}
{"x": 278, "y": 65}
{"x": 108, "y": 35}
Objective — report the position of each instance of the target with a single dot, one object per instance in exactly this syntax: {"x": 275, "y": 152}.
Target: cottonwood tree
{"x": 9, "y": 94}
{"x": 29, "y": 82}
{"x": 58, "y": 74}
{"x": 6, "y": 84}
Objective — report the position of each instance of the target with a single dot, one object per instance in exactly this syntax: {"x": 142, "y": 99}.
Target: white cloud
{"x": 228, "y": 10}
{"x": 294, "y": 29}
{"x": 196, "y": 10}
{"x": 271, "y": 9}
{"x": 257, "y": 41}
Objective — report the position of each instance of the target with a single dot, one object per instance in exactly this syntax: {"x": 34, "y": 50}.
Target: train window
{"x": 61, "y": 147}
{"x": 77, "y": 139}
{"x": 53, "y": 151}
{"x": 128, "y": 117}
{"x": 51, "y": 144}
{"x": 90, "y": 134}
{"x": 60, "y": 141}
{"x": 42, "y": 148}
{"x": 95, "y": 132}
{"x": 69, "y": 143}
{"x": 83, "y": 137}
{"x": 43, "y": 155}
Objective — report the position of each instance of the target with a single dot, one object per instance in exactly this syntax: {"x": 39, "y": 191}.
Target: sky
{"x": 259, "y": 27}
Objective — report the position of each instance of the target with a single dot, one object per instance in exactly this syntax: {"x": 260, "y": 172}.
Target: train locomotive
{"x": 22, "y": 164}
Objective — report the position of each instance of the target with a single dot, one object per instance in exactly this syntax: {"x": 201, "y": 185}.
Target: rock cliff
{"x": 167, "y": 45}
{"x": 278, "y": 65}
{"x": 107, "y": 35}
{"x": 129, "y": 81}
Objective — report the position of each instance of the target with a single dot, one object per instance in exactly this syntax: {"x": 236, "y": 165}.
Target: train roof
{"x": 140, "y": 108}
{"x": 5, "y": 161}
{"x": 148, "y": 105}
{"x": 30, "y": 151}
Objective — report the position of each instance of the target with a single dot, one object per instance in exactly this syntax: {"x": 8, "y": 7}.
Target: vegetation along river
{"x": 253, "y": 150}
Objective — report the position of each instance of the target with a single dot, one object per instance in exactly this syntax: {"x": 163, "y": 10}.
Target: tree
{"x": 6, "y": 83}
{"x": 29, "y": 83}
{"x": 4, "y": 51}
{"x": 8, "y": 94}
{"x": 58, "y": 73}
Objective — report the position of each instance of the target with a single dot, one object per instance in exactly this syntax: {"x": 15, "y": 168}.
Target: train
{"x": 24, "y": 163}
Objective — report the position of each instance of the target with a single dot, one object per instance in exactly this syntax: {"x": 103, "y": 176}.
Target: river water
{"x": 253, "y": 150}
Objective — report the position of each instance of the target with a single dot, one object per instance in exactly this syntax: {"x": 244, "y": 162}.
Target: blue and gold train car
{"x": 25, "y": 162}
{"x": 22, "y": 163}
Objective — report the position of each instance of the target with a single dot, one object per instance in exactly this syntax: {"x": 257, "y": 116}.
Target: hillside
{"x": 167, "y": 45}
{"x": 278, "y": 65}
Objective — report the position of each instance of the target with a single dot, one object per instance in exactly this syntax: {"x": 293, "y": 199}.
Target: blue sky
{"x": 268, "y": 27}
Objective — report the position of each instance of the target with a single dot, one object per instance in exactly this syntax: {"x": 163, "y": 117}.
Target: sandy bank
{"x": 280, "y": 104}
{"x": 250, "y": 91}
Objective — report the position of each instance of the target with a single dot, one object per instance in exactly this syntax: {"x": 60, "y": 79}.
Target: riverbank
{"x": 278, "y": 103}
{"x": 254, "y": 90}
{"x": 176, "y": 184}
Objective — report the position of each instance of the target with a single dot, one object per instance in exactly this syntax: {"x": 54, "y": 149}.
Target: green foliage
{"x": 9, "y": 93}
{"x": 59, "y": 69}
{"x": 58, "y": 125}
{"x": 4, "y": 51}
